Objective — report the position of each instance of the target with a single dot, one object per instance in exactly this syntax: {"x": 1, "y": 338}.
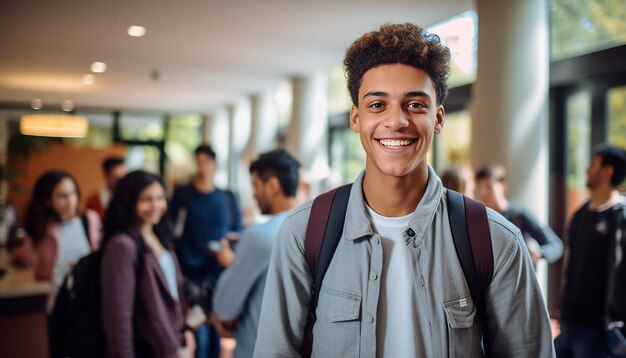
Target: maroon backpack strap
{"x": 316, "y": 228}
{"x": 480, "y": 237}
{"x": 315, "y": 231}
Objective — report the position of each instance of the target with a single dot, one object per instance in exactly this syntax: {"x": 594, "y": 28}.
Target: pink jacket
{"x": 43, "y": 255}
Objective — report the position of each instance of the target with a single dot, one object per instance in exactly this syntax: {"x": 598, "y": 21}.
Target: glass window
{"x": 338, "y": 96}
{"x": 284, "y": 101}
{"x": 141, "y": 127}
{"x": 100, "y": 134}
{"x": 453, "y": 143}
{"x": 184, "y": 135}
{"x": 578, "y": 127}
{"x": 617, "y": 118}
{"x": 144, "y": 157}
{"x": 460, "y": 34}
{"x": 582, "y": 26}
{"x": 347, "y": 157}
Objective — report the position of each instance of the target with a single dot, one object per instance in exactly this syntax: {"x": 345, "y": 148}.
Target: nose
{"x": 396, "y": 118}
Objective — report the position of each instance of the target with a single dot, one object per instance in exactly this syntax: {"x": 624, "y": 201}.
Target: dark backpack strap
{"x": 323, "y": 232}
{"x": 85, "y": 221}
{"x": 232, "y": 206}
{"x": 472, "y": 240}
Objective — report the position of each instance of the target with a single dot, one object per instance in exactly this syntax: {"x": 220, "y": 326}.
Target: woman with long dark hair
{"x": 142, "y": 286}
{"x": 58, "y": 235}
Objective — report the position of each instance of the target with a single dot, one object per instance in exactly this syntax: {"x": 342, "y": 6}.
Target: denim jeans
{"x": 207, "y": 342}
{"x": 580, "y": 342}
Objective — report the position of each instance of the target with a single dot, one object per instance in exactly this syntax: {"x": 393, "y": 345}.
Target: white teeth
{"x": 395, "y": 142}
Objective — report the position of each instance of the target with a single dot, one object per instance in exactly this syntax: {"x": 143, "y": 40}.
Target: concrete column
{"x": 239, "y": 135}
{"x": 307, "y": 135}
{"x": 264, "y": 124}
{"x": 217, "y": 134}
{"x": 510, "y": 108}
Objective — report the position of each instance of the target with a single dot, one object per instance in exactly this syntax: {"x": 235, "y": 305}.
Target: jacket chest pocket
{"x": 462, "y": 337}
{"x": 338, "y": 326}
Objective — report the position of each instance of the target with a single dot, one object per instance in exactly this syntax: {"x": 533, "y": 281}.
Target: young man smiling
{"x": 395, "y": 287}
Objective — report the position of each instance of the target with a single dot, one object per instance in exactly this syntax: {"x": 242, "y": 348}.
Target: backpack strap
{"x": 328, "y": 213}
{"x": 472, "y": 240}
{"x": 181, "y": 215}
{"x": 232, "y": 206}
{"x": 85, "y": 221}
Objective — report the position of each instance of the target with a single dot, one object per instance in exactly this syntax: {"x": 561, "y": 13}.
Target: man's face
{"x": 261, "y": 193}
{"x": 205, "y": 165}
{"x": 114, "y": 175}
{"x": 595, "y": 172}
{"x": 490, "y": 191}
{"x": 396, "y": 118}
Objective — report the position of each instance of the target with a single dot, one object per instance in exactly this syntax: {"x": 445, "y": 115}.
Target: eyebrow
{"x": 406, "y": 95}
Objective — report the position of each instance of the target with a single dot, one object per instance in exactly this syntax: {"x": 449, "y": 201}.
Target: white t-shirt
{"x": 168, "y": 267}
{"x": 396, "y": 304}
{"x": 73, "y": 245}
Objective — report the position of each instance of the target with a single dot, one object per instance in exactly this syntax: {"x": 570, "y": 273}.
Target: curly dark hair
{"x": 39, "y": 213}
{"x": 120, "y": 215}
{"x": 405, "y": 44}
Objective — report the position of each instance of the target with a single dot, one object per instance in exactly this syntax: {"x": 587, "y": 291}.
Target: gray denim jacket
{"x": 518, "y": 322}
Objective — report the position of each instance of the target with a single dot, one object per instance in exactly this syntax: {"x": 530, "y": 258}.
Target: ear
{"x": 354, "y": 119}
{"x": 439, "y": 119}
{"x": 608, "y": 170}
{"x": 274, "y": 185}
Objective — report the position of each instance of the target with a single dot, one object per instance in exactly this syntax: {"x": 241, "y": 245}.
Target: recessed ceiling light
{"x": 88, "y": 79}
{"x": 98, "y": 67}
{"x": 36, "y": 103}
{"x": 67, "y": 105}
{"x": 136, "y": 31}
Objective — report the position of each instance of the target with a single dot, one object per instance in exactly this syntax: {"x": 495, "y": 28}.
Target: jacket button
{"x": 370, "y": 319}
{"x": 410, "y": 232}
{"x": 376, "y": 241}
{"x": 373, "y": 276}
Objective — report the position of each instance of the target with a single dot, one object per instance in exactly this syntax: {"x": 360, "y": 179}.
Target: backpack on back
{"x": 470, "y": 231}
{"x": 75, "y": 324}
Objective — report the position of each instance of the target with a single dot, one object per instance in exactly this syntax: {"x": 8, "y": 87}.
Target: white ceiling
{"x": 208, "y": 53}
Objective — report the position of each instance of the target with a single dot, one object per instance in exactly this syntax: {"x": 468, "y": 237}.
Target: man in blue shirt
{"x": 237, "y": 298}
{"x": 203, "y": 214}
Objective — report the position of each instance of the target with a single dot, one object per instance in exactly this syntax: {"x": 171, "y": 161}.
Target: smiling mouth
{"x": 395, "y": 143}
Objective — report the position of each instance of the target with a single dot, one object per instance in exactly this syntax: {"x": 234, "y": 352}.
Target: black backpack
{"x": 470, "y": 232}
{"x": 75, "y": 324}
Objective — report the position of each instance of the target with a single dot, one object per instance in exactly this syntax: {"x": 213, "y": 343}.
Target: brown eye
{"x": 415, "y": 105}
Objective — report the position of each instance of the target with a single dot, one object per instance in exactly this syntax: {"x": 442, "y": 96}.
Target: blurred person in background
{"x": 594, "y": 289}
{"x": 203, "y": 214}
{"x": 58, "y": 234}
{"x": 113, "y": 169}
{"x": 491, "y": 189}
{"x": 141, "y": 281}
{"x": 459, "y": 178}
{"x": 239, "y": 291}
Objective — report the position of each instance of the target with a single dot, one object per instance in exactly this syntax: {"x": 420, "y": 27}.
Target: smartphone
{"x": 214, "y": 246}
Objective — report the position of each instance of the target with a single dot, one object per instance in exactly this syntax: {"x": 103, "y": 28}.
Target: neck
{"x": 203, "y": 183}
{"x": 502, "y": 205}
{"x": 601, "y": 196}
{"x": 146, "y": 230}
{"x": 400, "y": 195}
{"x": 283, "y": 204}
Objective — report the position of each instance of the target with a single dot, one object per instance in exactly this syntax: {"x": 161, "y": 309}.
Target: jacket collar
{"x": 358, "y": 222}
